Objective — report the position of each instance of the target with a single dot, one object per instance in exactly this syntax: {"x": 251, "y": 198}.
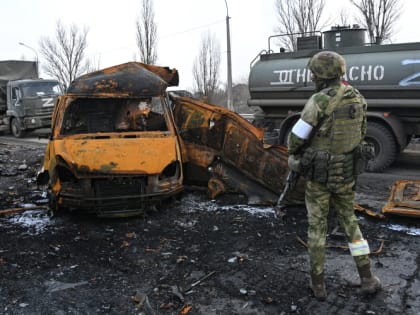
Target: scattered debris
{"x": 404, "y": 199}
{"x": 379, "y": 250}
{"x": 199, "y": 281}
{"x": 54, "y": 286}
{"x": 344, "y": 247}
{"x": 369, "y": 212}
{"x": 185, "y": 309}
{"x": 21, "y": 209}
{"x": 177, "y": 292}
{"x": 142, "y": 302}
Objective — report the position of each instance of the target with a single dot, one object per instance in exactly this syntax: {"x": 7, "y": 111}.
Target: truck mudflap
{"x": 404, "y": 199}
{"x": 227, "y": 153}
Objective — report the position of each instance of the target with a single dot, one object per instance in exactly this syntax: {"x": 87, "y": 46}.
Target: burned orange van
{"x": 114, "y": 149}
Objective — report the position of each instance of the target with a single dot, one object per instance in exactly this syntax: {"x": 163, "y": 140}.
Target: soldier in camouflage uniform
{"x": 325, "y": 146}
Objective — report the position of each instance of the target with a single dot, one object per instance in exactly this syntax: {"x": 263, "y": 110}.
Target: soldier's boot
{"x": 317, "y": 285}
{"x": 369, "y": 282}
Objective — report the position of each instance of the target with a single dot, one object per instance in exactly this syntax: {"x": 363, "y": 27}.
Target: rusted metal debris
{"x": 345, "y": 247}
{"x": 404, "y": 199}
{"x": 372, "y": 213}
{"x": 21, "y": 209}
{"x": 226, "y": 152}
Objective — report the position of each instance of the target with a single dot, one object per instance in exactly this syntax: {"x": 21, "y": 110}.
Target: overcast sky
{"x": 181, "y": 23}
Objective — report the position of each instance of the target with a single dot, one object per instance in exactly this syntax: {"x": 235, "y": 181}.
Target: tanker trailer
{"x": 387, "y": 75}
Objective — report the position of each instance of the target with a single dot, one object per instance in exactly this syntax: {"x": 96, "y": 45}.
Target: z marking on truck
{"x": 48, "y": 102}
{"x": 410, "y": 80}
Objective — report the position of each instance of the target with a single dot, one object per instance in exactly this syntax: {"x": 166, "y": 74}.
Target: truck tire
{"x": 385, "y": 146}
{"x": 16, "y": 129}
{"x": 284, "y": 141}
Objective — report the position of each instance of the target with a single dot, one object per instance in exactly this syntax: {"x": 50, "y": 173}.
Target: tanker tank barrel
{"x": 388, "y": 76}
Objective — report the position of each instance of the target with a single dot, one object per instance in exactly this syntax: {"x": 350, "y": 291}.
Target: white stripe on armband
{"x": 302, "y": 129}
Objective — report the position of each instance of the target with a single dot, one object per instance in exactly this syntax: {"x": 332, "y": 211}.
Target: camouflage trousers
{"x": 319, "y": 199}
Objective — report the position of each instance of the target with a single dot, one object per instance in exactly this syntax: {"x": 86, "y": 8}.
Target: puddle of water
{"x": 405, "y": 229}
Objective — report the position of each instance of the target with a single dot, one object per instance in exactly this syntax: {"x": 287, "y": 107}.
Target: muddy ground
{"x": 194, "y": 255}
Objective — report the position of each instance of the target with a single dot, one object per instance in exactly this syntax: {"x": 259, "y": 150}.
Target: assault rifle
{"x": 291, "y": 182}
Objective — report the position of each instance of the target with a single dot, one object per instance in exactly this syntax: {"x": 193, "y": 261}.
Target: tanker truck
{"x": 387, "y": 75}
{"x": 26, "y": 101}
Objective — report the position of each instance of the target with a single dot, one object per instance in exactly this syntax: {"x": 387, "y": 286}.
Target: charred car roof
{"x": 131, "y": 79}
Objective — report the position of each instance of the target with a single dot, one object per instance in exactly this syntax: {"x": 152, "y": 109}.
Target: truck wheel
{"x": 15, "y": 128}
{"x": 284, "y": 141}
{"x": 385, "y": 147}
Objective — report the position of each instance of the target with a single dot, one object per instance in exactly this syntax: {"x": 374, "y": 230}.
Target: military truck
{"x": 387, "y": 75}
{"x": 26, "y": 101}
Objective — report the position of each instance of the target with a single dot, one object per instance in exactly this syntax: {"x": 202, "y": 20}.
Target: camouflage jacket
{"x": 316, "y": 111}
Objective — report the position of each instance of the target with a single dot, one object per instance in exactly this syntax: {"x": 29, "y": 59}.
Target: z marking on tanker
{"x": 410, "y": 79}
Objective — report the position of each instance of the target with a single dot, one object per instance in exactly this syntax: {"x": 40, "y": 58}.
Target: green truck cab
{"x": 26, "y": 101}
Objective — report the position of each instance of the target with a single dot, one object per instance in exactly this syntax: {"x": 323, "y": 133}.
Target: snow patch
{"x": 36, "y": 220}
{"x": 405, "y": 229}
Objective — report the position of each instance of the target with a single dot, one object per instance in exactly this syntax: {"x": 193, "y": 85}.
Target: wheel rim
{"x": 375, "y": 144}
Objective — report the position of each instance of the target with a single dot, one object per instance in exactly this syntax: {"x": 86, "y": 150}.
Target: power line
{"x": 193, "y": 29}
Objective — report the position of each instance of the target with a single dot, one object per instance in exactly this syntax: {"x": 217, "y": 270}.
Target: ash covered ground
{"x": 193, "y": 255}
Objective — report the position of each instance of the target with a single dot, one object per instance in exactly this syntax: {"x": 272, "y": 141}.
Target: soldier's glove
{"x": 294, "y": 163}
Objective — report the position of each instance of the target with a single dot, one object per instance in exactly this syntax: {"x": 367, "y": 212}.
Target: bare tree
{"x": 343, "y": 18}
{"x": 379, "y": 17}
{"x": 206, "y": 68}
{"x": 64, "y": 55}
{"x": 297, "y": 16}
{"x": 93, "y": 64}
{"x": 147, "y": 33}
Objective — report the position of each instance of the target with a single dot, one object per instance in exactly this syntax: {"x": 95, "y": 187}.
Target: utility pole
{"x": 229, "y": 63}
{"x": 36, "y": 54}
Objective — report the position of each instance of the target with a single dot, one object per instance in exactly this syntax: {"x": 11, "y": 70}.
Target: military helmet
{"x": 327, "y": 65}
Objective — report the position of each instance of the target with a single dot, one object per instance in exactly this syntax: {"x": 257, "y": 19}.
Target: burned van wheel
{"x": 385, "y": 147}
{"x": 16, "y": 129}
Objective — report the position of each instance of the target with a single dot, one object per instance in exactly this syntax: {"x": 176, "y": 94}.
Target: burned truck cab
{"x": 114, "y": 149}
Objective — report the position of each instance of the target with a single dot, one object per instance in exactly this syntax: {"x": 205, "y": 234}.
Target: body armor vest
{"x": 330, "y": 157}
{"x": 340, "y": 132}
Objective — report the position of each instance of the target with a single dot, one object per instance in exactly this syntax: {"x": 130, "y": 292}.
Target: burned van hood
{"x": 116, "y": 156}
{"x": 132, "y": 79}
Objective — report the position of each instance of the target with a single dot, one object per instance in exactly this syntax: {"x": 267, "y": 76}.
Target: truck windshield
{"x": 88, "y": 115}
{"x": 41, "y": 89}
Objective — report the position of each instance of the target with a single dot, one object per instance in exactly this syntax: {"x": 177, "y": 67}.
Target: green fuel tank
{"x": 388, "y": 76}
{"x": 380, "y": 72}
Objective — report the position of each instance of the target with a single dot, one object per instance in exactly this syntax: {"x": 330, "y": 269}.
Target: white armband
{"x": 302, "y": 129}
{"x": 359, "y": 248}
